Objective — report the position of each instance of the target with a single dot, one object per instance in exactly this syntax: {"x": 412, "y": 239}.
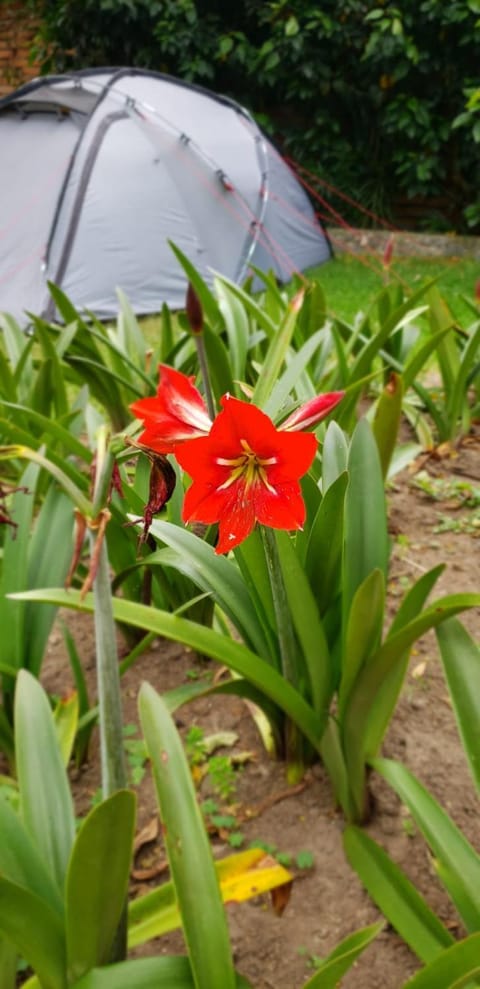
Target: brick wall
{"x": 17, "y": 29}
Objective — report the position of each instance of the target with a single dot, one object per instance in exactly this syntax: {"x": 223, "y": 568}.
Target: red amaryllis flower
{"x": 178, "y": 412}
{"x": 245, "y": 471}
{"x": 175, "y": 414}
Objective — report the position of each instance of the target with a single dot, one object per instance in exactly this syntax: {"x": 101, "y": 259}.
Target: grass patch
{"x": 351, "y": 282}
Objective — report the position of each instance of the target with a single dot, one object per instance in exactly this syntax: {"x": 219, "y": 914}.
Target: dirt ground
{"x": 327, "y": 900}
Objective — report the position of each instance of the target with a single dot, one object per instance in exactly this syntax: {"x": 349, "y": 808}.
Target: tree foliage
{"x": 379, "y": 97}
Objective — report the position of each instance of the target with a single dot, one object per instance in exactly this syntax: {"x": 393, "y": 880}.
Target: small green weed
{"x": 222, "y": 776}
{"x": 469, "y": 525}
{"x": 448, "y": 489}
{"x": 312, "y": 961}
{"x": 302, "y": 860}
{"x": 220, "y": 770}
{"x": 460, "y": 494}
{"x": 225, "y": 824}
{"x": 136, "y": 754}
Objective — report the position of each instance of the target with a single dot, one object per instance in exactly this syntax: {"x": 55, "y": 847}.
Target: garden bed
{"x": 327, "y": 901}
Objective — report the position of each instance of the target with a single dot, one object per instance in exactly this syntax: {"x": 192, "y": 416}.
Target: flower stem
{"x": 293, "y": 739}
{"x": 202, "y": 360}
{"x": 114, "y": 775}
{"x": 286, "y": 637}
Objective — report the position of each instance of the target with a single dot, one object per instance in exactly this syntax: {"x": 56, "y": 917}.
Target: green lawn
{"x": 351, "y": 283}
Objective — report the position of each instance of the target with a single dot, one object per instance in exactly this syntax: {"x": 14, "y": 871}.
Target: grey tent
{"x": 101, "y": 168}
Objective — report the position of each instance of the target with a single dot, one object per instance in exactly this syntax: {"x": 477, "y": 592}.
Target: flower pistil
{"x": 248, "y": 466}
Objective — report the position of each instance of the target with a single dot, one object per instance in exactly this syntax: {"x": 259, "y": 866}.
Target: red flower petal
{"x": 175, "y": 414}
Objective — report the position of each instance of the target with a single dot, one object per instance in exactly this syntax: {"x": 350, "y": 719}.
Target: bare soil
{"x": 327, "y": 900}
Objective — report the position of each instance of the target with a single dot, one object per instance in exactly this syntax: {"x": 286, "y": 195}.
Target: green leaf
{"x": 384, "y": 701}
{"x": 97, "y": 882}
{"x": 461, "y": 663}
{"x": 290, "y": 377}
{"x": 55, "y": 430}
{"x": 220, "y": 371}
{"x": 45, "y": 798}
{"x": 49, "y": 554}
{"x": 364, "y": 629}
{"x": 8, "y": 964}
{"x": 204, "y": 640}
{"x": 386, "y": 421}
{"x": 252, "y": 306}
{"x": 71, "y": 489}
{"x": 455, "y": 968}
{"x": 333, "y": 968}
{"x": 216, "y": 574}
{"x": 66, "y": 723}
{"x": 58, "y": 392}
{"x": 446, "y": 353}
{"x": 335, "y": 455}
{"x": 458, "y": 396}
{"x": 405, "y": 313}
{"x": 250, "y": 558}
{"x": 207, "y": 299}
{"x": 141, "y": 973}
{"x": 36, "y": 930}
{"x": 363, "y": 719}
{"x": 396, "y": 896}
{"x": 308, "y": 626}
{"x": 203, "y": 918}
{"x": 420, "y": 356}
{"x": 146, "y": 973}
{"x": 325, "y": 543}
{"x": 275, "y": 355}
{"x": 334, "y": 762}
{"x": 366, "y": 536}
{"x": 447, "y": 843}
{"x": 14, "y": 570}
{"x": 21, "y": 862}
{"x": 237, "y": 328}
{"x": 415, "y": 599}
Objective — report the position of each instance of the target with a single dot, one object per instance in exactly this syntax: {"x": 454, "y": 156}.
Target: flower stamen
{"x": 248, "y": 465}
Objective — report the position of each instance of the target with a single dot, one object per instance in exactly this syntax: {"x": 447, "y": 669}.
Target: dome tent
{"x": 101, "y": 168}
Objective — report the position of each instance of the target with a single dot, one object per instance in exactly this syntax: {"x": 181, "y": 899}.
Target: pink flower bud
{"x": 388, "y": 253}
{"x": 312, "y": 412}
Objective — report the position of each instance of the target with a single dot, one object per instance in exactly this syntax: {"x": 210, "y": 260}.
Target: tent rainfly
{"x": 100, "y": 169}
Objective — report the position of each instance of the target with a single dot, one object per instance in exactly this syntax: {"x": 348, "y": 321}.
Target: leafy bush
{"x": 375, "y": 98}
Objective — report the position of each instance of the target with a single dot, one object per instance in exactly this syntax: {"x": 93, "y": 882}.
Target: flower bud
{"x": 388, "y": 254}
{"x": 194, "y": 310}
{"x": 312, "y": 412}
{"x": 162, "y": 486}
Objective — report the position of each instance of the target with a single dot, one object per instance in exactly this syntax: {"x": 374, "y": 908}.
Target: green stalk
{"x": 114, "y": 775}
{"x": 286, "y": 635}
{"x": 103, "y": 471}
{"x": 202, "y": 360}
{"x": 287, "y": 646}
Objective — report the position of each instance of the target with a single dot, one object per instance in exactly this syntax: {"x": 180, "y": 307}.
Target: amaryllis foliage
{"x": 244, "y": 469}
